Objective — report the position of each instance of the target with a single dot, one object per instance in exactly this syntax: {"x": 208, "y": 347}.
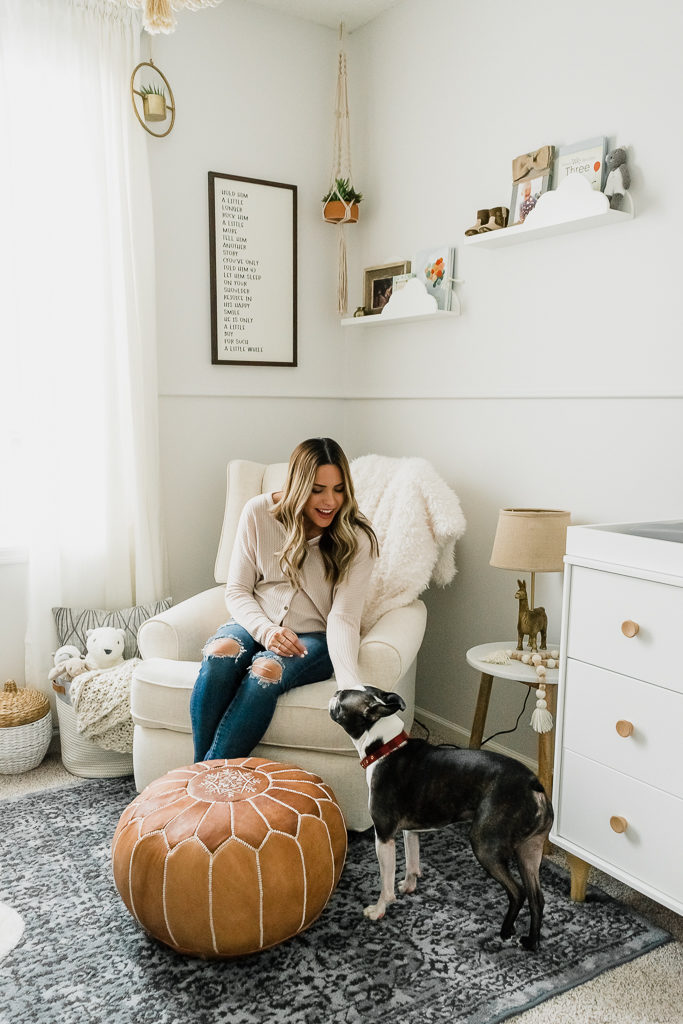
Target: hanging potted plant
{"x": 340, "y": 204}
{"x": 153, "y": 102}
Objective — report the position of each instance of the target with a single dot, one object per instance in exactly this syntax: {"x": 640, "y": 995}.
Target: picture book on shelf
{"x": 435, "y": 268}
{"x": 586, "y": 158}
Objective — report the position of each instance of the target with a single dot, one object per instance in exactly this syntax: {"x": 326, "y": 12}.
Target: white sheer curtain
{"x": 78, "y": 382}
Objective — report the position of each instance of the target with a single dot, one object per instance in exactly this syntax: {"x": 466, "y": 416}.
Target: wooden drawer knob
{"x": 624, "y": 728}
{"x": 629, "y": 628}
{"x": 618, "y": 824}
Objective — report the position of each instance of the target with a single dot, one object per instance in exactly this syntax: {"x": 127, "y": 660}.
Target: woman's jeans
{"x": 235, "y": 694}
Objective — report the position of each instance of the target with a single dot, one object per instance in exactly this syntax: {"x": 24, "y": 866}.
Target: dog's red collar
{"x": 385, "y": 749}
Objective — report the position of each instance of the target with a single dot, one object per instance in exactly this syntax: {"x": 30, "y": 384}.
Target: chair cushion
{"x": 160, "y": 699}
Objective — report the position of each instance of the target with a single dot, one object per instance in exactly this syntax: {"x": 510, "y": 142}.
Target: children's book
{"x": 586, "y": 158}
{"x": 435, "y": 268}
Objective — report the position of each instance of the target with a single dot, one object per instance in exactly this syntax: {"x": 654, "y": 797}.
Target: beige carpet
{"x": 649, "y": 990}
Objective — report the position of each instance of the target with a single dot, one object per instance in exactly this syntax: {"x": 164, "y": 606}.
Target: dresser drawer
{"x": 600, "y": 602}
{"x": 595, "y": 700}
{"x": 651, "y": 847}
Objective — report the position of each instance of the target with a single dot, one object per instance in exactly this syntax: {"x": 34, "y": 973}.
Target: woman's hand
{"x": 286, "y": 643}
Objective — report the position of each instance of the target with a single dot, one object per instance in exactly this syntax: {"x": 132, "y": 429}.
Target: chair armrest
{"x": 181, "y": 632}
{"x": 388, "y": 649}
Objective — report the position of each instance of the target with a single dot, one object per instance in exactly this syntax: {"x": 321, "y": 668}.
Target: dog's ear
{"x": 390, "y": 704}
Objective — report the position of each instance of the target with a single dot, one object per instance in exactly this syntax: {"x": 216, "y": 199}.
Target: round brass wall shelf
{"x": 151, "y": 98}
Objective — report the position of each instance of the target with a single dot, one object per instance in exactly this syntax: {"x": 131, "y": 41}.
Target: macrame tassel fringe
{"x": 541, "y": 719}
{"x": 342, "y": 287}
{"x": 158, "y": 16}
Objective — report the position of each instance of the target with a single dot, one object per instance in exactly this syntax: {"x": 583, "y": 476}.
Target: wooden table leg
{"x": 480, "y": 713}
{"x": 578, "y": 870}
{"x": 546, "y": 744}
{"x": 546, "y": 753}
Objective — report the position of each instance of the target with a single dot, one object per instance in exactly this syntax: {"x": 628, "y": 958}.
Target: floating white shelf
{"x": 523, "y": 233}
{"x": 377, "y": 320}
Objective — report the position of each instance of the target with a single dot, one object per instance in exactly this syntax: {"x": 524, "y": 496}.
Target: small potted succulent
{"x": 335, "y": 202}
{"x": 153, "y": 102}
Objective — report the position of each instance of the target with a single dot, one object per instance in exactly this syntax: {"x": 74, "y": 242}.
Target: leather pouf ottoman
{"x": 224, "y": 858}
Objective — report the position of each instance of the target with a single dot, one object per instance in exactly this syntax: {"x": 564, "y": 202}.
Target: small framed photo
{"x": 525, "y": 195}
{"x": 378, "y": 283}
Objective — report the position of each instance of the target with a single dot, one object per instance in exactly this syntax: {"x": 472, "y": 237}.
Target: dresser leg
{"x": 481, "y": 711}
{"x": 578, "y": 870}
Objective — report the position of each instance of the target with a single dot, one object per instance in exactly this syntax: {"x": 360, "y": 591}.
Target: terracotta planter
{"x": 154, "y": 107}
{"x": 335, "y": 211}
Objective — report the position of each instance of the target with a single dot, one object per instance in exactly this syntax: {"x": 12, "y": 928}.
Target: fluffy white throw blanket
{"x": 101, "y": 700}
{"x": 417, "y": 519}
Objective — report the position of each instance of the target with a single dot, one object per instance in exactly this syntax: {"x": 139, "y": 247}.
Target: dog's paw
{"x": 375, "y": 912}
{"x": 529, "y": 944}
{"x": 409, "y": 884}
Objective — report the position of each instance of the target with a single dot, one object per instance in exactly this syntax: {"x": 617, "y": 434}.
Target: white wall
{"x": 499, "y": 399}
{"x": 548, "y": 390}
{"x": 255, "y": 96}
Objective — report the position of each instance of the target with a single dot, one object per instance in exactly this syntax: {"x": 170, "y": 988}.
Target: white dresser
{"x": 618, "y": 785}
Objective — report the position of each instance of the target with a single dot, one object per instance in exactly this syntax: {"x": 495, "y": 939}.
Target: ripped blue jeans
{"x": 235, "y": 694}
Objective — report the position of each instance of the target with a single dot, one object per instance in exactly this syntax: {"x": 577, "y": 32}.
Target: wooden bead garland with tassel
{"x": 541, "y": 719}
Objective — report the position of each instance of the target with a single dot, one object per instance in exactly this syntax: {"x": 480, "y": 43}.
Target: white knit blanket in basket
{"x": 101, "y": 700}
{"x": 417, "y": 519}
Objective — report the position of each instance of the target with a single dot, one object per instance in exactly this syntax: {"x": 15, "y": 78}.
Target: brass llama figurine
{"x": 531, "y": 621}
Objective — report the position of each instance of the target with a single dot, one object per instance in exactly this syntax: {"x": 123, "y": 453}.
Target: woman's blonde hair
{"x": 338, "y": 542}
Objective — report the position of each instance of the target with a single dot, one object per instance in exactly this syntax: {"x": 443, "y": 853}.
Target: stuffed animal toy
{"x": 68, "y": 662}
{"x": 618, "y": 177}
{"x": 104, "y": 647}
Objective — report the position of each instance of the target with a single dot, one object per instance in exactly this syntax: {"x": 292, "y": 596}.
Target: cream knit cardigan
{"x": 261, "y": 599}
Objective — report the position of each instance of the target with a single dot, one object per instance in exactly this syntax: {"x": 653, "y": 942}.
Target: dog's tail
{"x": 544, "y": 809}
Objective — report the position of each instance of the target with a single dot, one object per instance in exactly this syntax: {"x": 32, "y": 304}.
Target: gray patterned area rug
{"x": 435, "y": 957}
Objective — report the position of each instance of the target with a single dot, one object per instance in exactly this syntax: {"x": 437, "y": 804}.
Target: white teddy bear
{"x": 104, "y": 647}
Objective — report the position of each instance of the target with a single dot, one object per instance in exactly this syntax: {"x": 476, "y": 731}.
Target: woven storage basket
{"x": 25, "y": 729}
{"x": 81, "y": 756}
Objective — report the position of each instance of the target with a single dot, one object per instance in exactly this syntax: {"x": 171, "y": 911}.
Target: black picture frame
{"x": 253, "y": 271}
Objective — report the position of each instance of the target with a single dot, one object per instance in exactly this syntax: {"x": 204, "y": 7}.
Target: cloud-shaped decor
{"x": 411, "y": 300}
{"x": 572, "y": 200}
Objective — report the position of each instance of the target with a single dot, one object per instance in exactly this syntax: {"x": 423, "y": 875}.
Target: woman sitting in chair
{"x": 299, "y": 571}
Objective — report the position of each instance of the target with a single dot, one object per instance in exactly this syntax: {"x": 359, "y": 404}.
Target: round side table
{"x": 519, "y": 673}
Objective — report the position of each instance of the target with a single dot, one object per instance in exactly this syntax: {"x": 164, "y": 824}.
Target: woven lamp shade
{"x": 530, "y": 539}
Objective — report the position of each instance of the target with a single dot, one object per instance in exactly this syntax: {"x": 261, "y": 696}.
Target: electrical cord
{"x": 504, "y": 732}
{"x": 422, "y": 726}
{"x": 501, "y": 732}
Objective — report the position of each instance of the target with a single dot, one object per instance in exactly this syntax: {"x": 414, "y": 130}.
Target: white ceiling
{"x": 353, "y": 13}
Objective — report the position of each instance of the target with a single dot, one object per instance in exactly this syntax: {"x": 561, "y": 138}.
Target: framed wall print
{"x": 525, "y": 195}
{"x": 253, "y": 265}
{"x": 378, "y": 283}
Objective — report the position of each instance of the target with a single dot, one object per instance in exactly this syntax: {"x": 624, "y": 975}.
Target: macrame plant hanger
{"x": 341, "y": 168}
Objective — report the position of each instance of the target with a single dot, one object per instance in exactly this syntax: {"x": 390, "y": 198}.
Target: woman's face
{"x": 326, "y": 498}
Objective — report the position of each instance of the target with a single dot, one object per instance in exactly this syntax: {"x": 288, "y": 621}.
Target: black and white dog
{"x": 416, "y": 787}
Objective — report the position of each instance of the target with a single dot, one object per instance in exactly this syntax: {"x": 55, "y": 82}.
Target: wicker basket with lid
{"x": 25, "y": 728}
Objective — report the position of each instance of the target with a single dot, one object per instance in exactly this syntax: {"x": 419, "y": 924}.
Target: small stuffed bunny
{"x": 68, "y": 661}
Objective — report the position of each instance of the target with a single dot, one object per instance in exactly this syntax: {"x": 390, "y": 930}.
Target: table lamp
{"x": 530, "y": 540}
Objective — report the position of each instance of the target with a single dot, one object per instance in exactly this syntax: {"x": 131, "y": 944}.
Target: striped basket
{"x": 81, "y": 756}
{"x": 25, "y": 729}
